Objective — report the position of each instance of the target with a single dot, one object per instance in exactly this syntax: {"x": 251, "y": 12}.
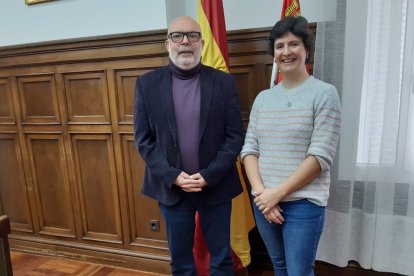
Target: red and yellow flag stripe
{"x": 211, "y": 19}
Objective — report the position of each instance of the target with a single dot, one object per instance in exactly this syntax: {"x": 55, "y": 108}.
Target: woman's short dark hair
{"x": 296, "y": 25}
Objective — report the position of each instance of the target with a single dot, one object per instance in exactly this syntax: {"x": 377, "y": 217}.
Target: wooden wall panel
{"x": 141, "y": 218}
{"x": 125, "y": 91}
{"x": 38, "y": 99}
{"x": 13, "y": 189}
{"x": 87, "y": 97}
{"x": 243, "y": 79}
{"x": 251, "y": 79}
{"x": 6, "y": 104}
{"x": 51, "y": 184}
{"x": 98, "y": 188}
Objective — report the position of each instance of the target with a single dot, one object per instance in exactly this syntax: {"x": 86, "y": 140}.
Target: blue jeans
{"x": 292, "y": 246}
{"x": 215, "y": 225}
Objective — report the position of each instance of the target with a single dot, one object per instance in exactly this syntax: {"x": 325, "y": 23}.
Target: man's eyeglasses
{"x": 178, "y": 37}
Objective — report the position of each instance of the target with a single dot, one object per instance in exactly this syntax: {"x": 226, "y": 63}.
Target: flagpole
{"x": 274, "y": 75}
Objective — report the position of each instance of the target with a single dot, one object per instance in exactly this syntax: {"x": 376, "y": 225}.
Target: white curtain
{"x": 370, "y": 214}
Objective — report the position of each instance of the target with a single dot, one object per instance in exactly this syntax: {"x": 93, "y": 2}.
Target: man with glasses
{"x": 189, "y": 131}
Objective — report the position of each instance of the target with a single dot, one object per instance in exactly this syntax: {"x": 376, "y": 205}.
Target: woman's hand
{"x": 274, "y": 215}
{"x": 268, "y": 199}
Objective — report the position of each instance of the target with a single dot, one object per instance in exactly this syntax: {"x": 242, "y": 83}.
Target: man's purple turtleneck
{"x": 186, "y": 94}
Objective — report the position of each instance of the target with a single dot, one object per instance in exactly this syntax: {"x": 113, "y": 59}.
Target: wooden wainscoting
{"x": 70, "y": 176}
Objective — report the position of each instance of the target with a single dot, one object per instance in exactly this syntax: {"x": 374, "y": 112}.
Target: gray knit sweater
{"x": 286, "y": 126}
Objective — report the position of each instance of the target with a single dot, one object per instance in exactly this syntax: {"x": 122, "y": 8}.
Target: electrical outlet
{"x": 155, "y": 225}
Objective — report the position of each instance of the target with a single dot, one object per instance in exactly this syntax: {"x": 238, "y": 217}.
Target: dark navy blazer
{"x": 221, "y": 135}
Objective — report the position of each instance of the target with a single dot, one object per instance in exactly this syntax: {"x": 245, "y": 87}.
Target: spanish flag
{"x": 290, "y": 8}
{"x": 210, "y": 16}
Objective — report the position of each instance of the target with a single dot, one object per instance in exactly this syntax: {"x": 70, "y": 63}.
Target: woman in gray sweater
{"x": 288, "y": 152}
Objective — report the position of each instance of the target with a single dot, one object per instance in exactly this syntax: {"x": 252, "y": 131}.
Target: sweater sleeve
{"x": 327, "y": 124}
{"x": 251, "y": 145}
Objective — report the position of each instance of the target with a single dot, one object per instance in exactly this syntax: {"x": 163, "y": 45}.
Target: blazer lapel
{"x": 166, "y": 97}
{"x": 206, "y": 86}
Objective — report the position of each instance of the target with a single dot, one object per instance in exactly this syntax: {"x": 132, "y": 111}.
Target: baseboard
{"x": 94, "y": 254}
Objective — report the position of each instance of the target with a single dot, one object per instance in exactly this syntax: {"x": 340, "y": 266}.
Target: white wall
{"x": 63, "y": 19}
{"x": 246, "y": 14}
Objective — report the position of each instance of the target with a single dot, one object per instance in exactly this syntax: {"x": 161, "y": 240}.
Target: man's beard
{"x": 185, "y": 61}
